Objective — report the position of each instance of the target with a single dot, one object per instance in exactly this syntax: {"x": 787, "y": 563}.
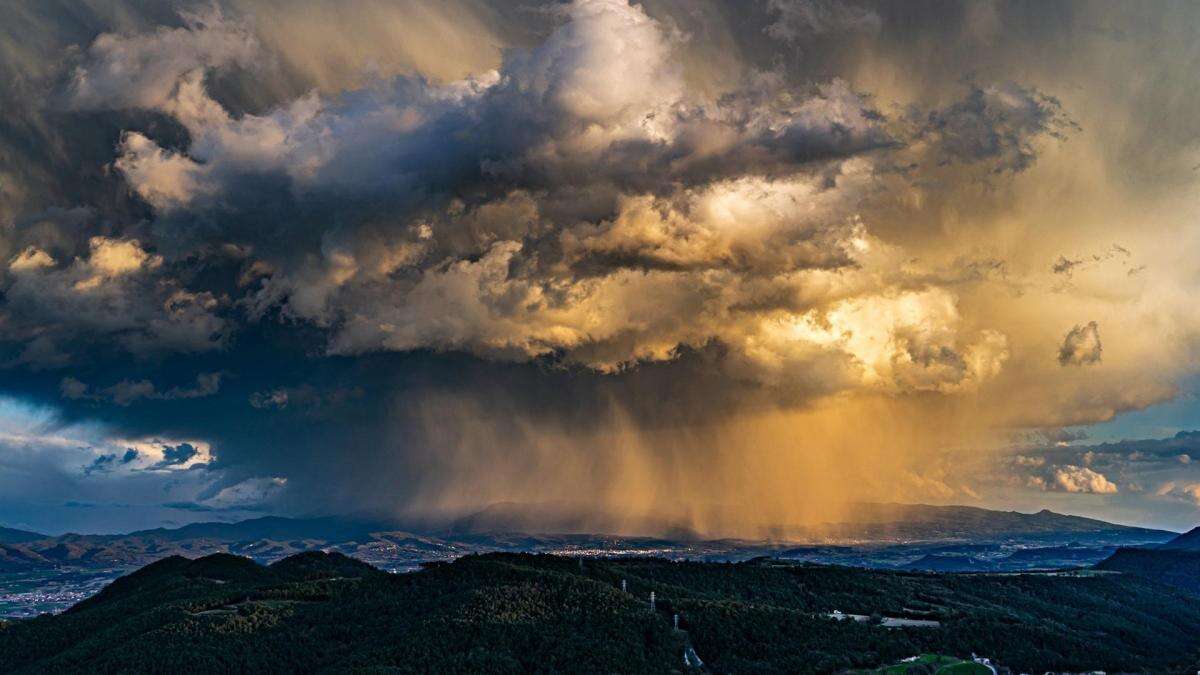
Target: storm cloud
{"x": 586, "y": 243}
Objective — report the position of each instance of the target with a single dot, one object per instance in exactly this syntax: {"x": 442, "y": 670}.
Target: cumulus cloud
{"x": 103, "y": 479}
{"x": 116, "y": 289}
{"x": 108, "y": 462}
{"x": 1140, "y": 459}
{"x": 1072, "y": 478}
{"x": 710, "y": 205}
{"x": 550, "y": 118}
{"x": 31, "y": 258}
{"x": 176, "y": 455}
{"x": 125, "y": 71}
{"x": 162, "y": 455}
{"x": 1180, "y": 491}
{"x": 247, "y": 493}
{"x": 1081, "y": 346}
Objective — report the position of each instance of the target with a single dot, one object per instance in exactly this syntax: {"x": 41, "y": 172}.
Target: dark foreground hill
{"x": 525, "y": 613}
{"x": 1179, "y": 568}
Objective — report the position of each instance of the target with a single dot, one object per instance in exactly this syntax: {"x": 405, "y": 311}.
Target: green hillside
{"x": 524, "y": 613}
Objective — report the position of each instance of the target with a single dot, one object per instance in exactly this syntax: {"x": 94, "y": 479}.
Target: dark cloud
{"x": 1064, "y": 265}
{"x": 996, "y": 124}
{"x": 1081, "y": 346}
{"x": 176, "y": 455}
{"x": 1067, "y": 266}
{"x": 796, "y": 20}
{"x": 126, "y": 392}
{"x": 1062, "y": 435}
{"x": 509, "y": 214}
{"x": 101, "y": 463}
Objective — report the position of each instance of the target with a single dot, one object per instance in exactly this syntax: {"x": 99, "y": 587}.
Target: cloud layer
{"x": 738, "y": 211}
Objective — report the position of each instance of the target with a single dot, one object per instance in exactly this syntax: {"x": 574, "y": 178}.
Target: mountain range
{"x": 912, "y": 531}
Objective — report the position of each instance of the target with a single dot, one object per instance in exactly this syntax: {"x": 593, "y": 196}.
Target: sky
{"x": 730, "y": 264}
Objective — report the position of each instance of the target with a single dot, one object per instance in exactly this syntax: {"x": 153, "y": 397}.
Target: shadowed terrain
{"x": 531, "y": 613}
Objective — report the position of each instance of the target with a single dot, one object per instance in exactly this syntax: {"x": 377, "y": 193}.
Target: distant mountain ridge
{"x": 276, "y": 527}
{"x": 974, "y": 522}
{"x": 396, "y": 542}
{"x": 867, "y": 520}
{"x": 9, "y": 535}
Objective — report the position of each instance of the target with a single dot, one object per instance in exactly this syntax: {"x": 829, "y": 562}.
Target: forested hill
{"x": 524, "y": 613}
{"x": 1179, "y": 568}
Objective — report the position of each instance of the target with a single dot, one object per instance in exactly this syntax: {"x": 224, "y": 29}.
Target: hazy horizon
{"x": 601, "y": 523}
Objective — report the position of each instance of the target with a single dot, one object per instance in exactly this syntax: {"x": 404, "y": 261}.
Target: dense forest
{"x": 527, "y": 613}
{"x": 1180, "y": 568}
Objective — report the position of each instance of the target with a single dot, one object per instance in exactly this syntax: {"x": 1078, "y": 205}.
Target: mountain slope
{"x": 519, "y": 613}
{"x": 10, "y": 536}
{"x": 19, "y": 558}
{"x": 977, "y": 523}
{"x": 1188, "y": 541}
{"x": 1179, "y": 568}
